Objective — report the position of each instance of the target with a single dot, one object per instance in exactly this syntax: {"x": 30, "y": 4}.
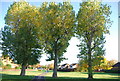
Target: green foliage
{"x": 19, "y": 37}
{"x": 93, "y": 20}
{"x": 60, "y": 19}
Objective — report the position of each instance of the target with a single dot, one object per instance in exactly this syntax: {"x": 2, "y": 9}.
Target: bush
{"x": 39, "y": 70}
{"x": 17, "y": 67}
{"x": 30, "y": 67}
{"x": 8, "y": 66}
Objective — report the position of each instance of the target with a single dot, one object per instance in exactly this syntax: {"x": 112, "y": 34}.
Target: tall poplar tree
{"x": 19, "y": 37}
{"x": 58, "y": 25}
{"x": 93, "y": 21}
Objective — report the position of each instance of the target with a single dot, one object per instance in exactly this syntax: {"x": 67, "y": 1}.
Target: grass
{"x": 14, "y": 75}
{"x": 97, "y": 75}
{"x": 62, "y": 76}
{"x": 31, "y": 73}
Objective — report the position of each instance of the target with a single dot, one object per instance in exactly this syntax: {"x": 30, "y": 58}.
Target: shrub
{"x": 8, "y": 66}
{"x": 17, "y": 67}
{"x": 29, "y": 67}
{"x": 39, "y": 70}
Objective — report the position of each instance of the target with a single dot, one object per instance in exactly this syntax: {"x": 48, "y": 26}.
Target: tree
{"x": 97, "y": 62}
{"x": 83, "y": 65}
{"x": 60, "y": 19}
{"x": 93, "y": 21}
{"x": 50, "y": 66}
{"x": 111, "y": 63}
{"x": 19, "y": 37}
{"x": 107, "y": 64}
{"x": 97, "y": 53}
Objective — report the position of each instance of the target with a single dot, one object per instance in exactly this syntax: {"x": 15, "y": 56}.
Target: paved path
{"x": 40, "y": 77}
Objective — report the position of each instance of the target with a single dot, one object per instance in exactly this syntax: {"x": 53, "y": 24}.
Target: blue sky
{"x": 72, "y": 51}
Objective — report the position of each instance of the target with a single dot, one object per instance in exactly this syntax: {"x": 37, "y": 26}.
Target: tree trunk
{"x": 90, "y": 75}
{"x": 23, "y": 70}
{"x": 55, "y": 66}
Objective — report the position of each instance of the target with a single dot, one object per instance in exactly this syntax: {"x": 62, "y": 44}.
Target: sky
{"x": 111, "y": 44}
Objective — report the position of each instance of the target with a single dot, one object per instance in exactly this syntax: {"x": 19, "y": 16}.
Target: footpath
{"x": 40, "y": 77}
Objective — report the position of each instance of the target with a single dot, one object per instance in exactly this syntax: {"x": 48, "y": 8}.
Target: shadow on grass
{"x": 76, "y": 79}
{"x": 7, "y": 77}
{"x": 112, "y": 74}
{"x": 103, "y": 73}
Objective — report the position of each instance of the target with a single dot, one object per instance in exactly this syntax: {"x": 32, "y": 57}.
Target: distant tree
{"x": 104, "y": 65}
{"x": 111, "y": 63}
{"x": 99, "y": 63}
{"x": 58, "y": 25}
{"x": 50, "y": 66}
{"x": 107, "y": 64}
{"x": 19, "y": 36}
{"x": 93, "y": 21}
{"x": 83, "y": 65}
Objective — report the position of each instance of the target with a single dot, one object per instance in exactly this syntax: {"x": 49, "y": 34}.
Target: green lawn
{"x": 13, "y": 75}
{"x": 84, "y": 75}
{"x": 62, "y": 76}
{"x": 31, "y": 73}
